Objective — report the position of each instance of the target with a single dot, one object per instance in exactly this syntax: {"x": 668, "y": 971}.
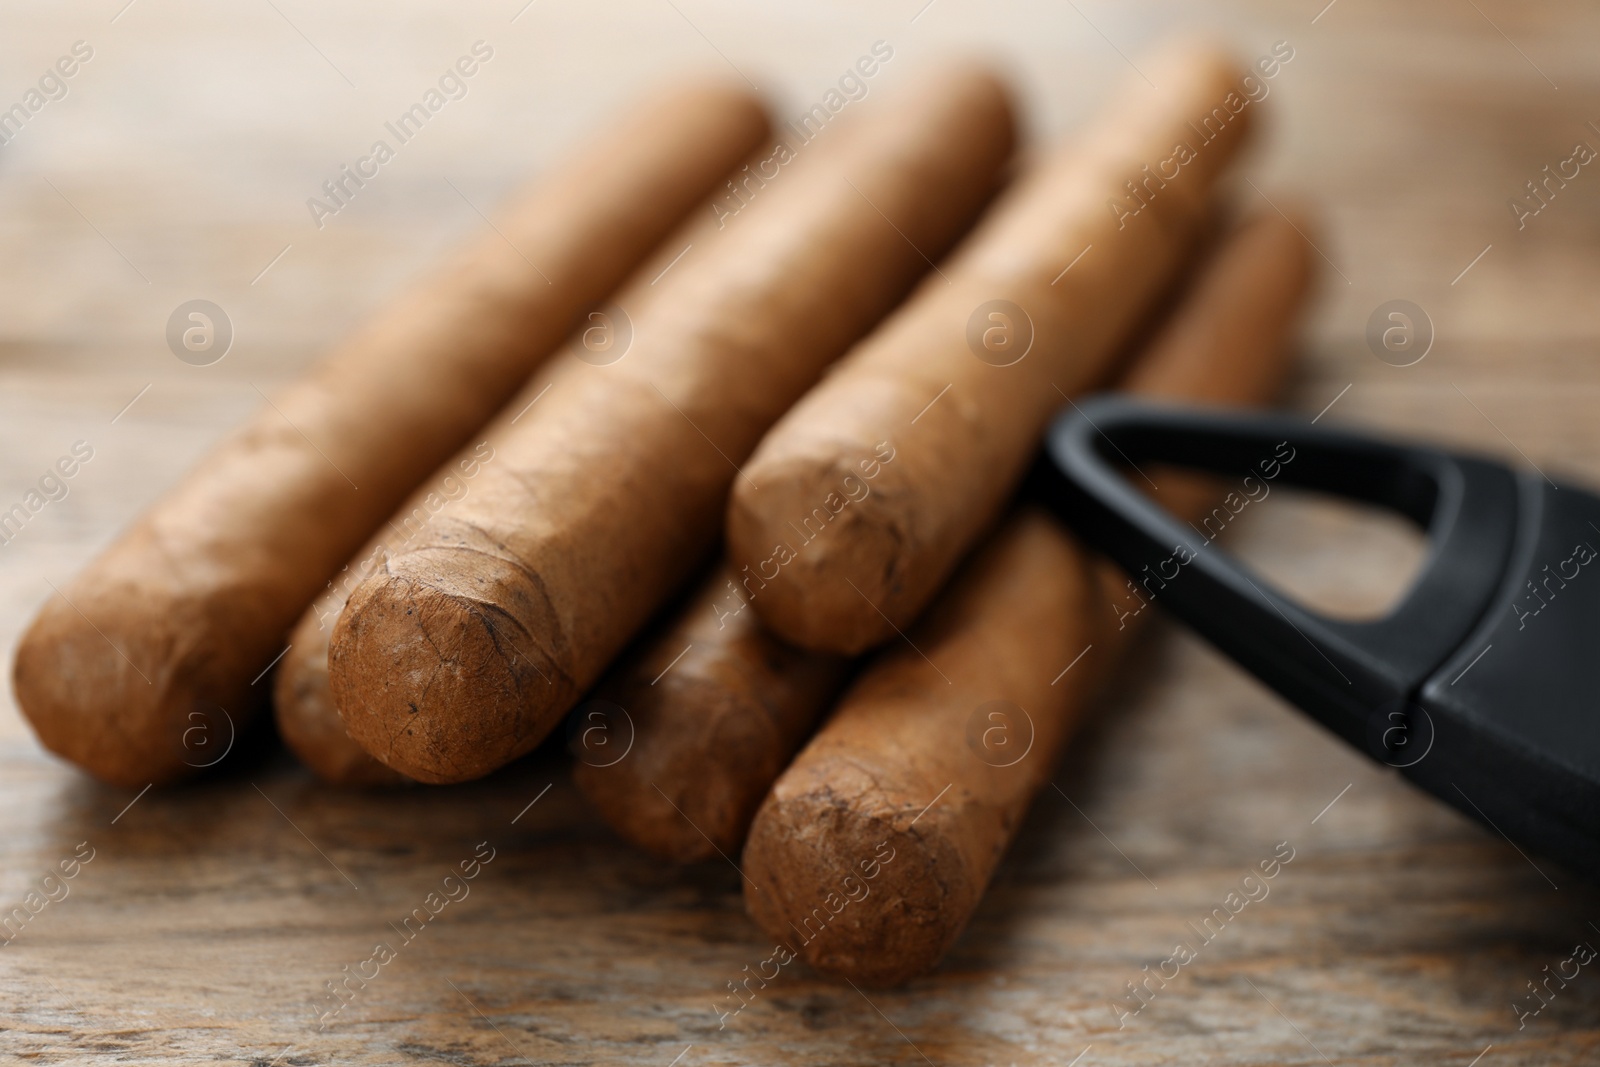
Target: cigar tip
{"x": 1205, "y": 55}
{"x": 980, "y": 74}
{"x": 77, "y": 681}
{"x": 972, "y": 79}
{"x": 704, "y": 93}
{"x": 858, "y": 890}
{"x": 1209, "y": 78}
{"x": 820, "y": 566}
{"x": 438, "y": 665}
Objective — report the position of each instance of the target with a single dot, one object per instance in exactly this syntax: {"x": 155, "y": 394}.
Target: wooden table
{"x": 210, "y": 916}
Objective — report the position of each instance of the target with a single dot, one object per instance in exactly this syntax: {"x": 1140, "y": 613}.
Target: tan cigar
{"x": 874, "y": 847}
{"x": 463, "y": 651}
{"x": 717, "y": 707}
{"x": 147, "y": 661}
{"x": 1035, "y": 305}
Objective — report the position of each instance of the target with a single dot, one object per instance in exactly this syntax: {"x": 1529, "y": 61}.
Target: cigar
{"x": 873, "y": 849}
{"x": 147, "y": 661}
{"x": 468, "y": 646}
{"x": 862, "y": 499}
{"x": 717, "y": 707}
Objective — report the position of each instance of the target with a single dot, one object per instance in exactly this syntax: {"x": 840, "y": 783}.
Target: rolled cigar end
{"x": 817, "y": 528}
{"x": 64, "y": 654}
{"x": 434, "y": 668}
{"x": 717, "y": 707}
{"x": 838, "y": 873}
{"x": 309, "y": 723}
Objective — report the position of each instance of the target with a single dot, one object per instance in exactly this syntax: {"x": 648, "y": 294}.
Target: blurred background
{"x": 175, "y": 164}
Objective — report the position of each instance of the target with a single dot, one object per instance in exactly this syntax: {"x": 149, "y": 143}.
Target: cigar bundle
{"x": 745, "y": 478}
{"x": 185, "y": 610}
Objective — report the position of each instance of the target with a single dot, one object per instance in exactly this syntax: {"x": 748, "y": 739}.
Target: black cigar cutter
{"x": 1482, "y": 685}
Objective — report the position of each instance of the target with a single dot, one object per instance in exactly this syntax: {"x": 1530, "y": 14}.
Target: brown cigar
{"x": 717, "y": 707}
{"x": 131, "y": 670}
{"x": 1035, "y": 305}
{"x": 874, "y": 847}
{"x": 466, "y": 648}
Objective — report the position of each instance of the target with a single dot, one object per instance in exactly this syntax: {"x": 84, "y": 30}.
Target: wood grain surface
{"x": 205, "y": 926}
